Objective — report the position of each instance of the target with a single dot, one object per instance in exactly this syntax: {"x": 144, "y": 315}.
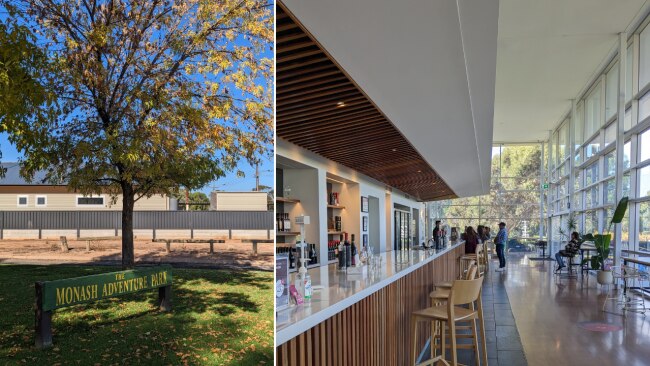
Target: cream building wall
{"x": 68, "y": 202}
{"x": 239, "y": 201}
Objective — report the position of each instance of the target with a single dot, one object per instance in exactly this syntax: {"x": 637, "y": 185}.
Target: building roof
{"x": 12, "y": 177}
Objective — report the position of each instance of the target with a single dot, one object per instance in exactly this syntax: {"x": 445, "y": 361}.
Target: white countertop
{"x": 341, "y": 290}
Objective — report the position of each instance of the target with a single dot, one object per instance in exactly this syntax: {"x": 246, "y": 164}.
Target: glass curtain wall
{"x": 514, "y": 196}
{"x": 594, "y": 152}
{"x": 581, "y": 169}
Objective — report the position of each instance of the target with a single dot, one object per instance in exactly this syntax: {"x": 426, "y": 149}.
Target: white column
{"x": 542, "y": 181}
{"x": 549, "y": 231}
{"x": 620, "y": 142}
{"x": 571, "y": 146}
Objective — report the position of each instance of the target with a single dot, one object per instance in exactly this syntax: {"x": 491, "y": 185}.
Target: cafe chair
{"x": 631, "y": 277}
{"x": 570, "y": 272}
{"x": 463, "y": 305}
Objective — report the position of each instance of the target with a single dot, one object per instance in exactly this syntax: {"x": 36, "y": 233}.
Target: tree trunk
{"x": 128, "y": 201}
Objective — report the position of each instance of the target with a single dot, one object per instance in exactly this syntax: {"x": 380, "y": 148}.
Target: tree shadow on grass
{"x": 218, "y": 317}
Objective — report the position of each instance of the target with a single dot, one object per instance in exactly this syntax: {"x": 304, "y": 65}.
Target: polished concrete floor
{"x": 549, "y": 312}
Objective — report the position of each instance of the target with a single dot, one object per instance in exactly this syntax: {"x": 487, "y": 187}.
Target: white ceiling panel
{"x": 428, "y": 65}
{"x": 547, "y": 52}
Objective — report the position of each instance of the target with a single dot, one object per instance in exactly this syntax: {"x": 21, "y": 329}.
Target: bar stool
{"x": 462, "y": 292}
{"x": 441, "y": 294}
{"x": 486, "y": 259}
{"x": 465, "y": 261}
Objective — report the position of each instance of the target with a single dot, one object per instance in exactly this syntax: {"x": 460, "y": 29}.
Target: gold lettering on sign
{"x": 60, "y": 300}
{"x": 71, "y": 295}
{"x": 158, "y": 279}
{"x": 68, "y": 295}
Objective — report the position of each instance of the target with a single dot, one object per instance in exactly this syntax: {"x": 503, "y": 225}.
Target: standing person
{"x": 480, "y": 232}
{"x": 500, "y": 241}
{"x": 437, "y": 233}
{"x": 486, "y": 234}
{"x": 471, "y": 240}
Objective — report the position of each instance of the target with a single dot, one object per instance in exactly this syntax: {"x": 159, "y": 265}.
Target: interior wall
{"x": 366, "y": 187}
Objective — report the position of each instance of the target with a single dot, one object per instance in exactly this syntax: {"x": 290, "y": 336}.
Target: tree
{"x": 151, "y": 95}
{"x": 195, "y": 197}
{"x": 513, "y": 196}
{"x": 20, "y": 64}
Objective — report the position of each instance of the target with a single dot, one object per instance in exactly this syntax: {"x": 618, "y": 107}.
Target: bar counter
{"x": 363, "y": 318}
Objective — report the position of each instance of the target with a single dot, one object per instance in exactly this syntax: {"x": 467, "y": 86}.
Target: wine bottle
{"x": 292, "y": 258}
{"x": 353, "y": 251}
{"x": 287, "y": 222}
{"x": 348, "y": 252}
{"x": 335, "y": 244}
{"x": 341, "y": 253}
{"x": 280, "y": 222}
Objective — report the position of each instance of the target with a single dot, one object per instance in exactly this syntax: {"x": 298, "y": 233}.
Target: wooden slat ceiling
{"x": 310, "y": 88}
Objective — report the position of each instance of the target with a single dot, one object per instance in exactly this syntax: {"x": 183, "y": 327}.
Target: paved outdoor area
{"x": 232, "y": 254}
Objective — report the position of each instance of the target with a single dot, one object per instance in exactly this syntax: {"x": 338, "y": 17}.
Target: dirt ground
{"x": 232, "y": 254}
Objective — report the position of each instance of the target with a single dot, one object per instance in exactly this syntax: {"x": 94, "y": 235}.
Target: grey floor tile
{"x": 512, "y": 358}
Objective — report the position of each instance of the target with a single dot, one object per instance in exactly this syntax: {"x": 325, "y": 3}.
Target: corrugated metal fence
{"x": 142, "y": 220}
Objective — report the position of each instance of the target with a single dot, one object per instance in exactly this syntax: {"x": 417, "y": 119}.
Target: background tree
{"x": 152, "y": 95}
{"x": 513, "y": 197}
{"x": 195, "y": 197}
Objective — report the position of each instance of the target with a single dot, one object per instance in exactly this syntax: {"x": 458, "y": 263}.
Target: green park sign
{"x": 51, "y": 295}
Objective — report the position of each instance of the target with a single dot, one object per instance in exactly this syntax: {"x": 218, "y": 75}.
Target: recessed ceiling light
{"x": 340, "y": 104}
{"x": 419, "y": 171}
{"x": 394, "y": 150}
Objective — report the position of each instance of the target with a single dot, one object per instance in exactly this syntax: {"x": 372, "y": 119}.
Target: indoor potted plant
{"x": 602, "y": 243}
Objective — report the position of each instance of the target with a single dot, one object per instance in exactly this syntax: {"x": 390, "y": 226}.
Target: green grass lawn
{"x": 219, "y": 317}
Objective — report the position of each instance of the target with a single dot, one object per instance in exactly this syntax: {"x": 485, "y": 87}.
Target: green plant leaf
{"x": 620, "y": 211}
{"x": 595, "y": 262}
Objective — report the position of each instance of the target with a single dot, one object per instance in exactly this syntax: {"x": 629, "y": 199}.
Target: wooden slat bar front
{"x": 374, "y": 330}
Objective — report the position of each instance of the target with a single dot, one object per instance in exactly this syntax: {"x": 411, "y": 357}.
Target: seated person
{"x": 571, "y": 248}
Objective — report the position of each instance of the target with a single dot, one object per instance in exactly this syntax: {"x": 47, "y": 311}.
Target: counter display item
{"x": 281, "y": 281}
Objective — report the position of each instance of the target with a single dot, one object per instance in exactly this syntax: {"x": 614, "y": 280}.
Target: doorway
{"x": 415, "y": 227}
{"x": 402, "y": 229}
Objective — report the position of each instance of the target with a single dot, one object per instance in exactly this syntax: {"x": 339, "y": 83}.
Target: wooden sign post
{"x": 51, "y": 295}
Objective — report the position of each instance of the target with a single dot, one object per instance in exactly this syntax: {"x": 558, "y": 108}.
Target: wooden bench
{"x": 168, "y": 242}
{"x": 88, "y": 240}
